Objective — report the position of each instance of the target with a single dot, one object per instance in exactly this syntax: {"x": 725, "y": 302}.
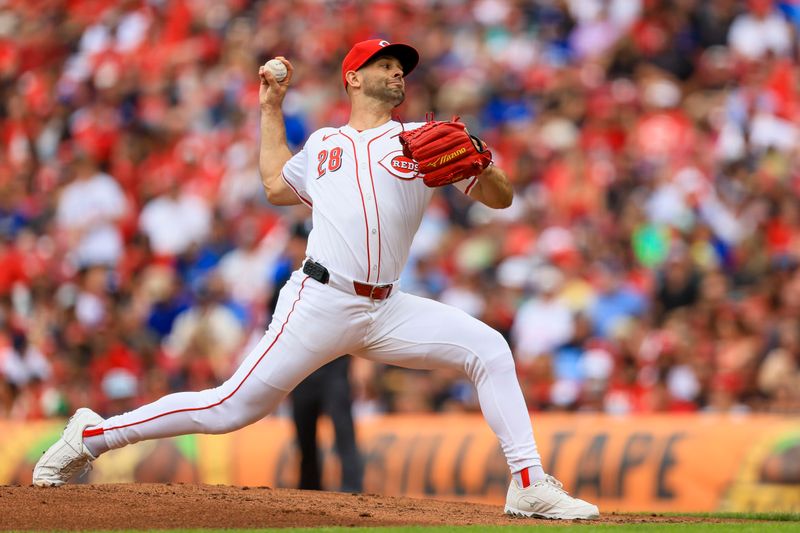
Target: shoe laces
{"x": 553, "y": 482}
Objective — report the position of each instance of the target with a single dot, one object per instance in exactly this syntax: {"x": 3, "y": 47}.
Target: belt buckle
{"x": 381, "y": 287}
{"x": 372, "y": 291}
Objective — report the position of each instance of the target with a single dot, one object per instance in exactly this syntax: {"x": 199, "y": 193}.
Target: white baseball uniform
{"x": 366, "y": 208}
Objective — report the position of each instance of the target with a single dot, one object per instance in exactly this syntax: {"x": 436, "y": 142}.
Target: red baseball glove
{"x": 445, "y": 152}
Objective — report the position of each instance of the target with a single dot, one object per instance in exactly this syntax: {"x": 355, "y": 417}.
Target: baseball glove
{"x": 445, "y": 152}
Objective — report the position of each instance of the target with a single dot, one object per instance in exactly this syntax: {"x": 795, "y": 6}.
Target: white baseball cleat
{"x": 547, "y": 498}
{"x": 68, "y": 457}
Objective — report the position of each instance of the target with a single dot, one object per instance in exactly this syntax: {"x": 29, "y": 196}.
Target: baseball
{"x": 277, "y": 69}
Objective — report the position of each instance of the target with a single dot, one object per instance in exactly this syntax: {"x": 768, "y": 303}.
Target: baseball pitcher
{"x": 368, "y": 184}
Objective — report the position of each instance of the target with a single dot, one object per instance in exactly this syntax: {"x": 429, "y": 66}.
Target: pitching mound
{"x": 148, "y": 506}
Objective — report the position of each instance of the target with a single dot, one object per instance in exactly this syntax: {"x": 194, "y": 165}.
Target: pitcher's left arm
{"x": 493, "y": 188}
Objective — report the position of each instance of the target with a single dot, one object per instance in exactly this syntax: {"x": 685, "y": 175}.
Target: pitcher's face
{"x": 383, "y": 80}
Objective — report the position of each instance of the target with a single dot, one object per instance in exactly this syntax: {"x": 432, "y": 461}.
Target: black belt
{"x": 321, "y": 274}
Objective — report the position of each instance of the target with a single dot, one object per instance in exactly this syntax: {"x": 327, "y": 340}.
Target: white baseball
{"x": 277, "y": 69}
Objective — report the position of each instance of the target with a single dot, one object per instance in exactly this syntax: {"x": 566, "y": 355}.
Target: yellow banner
{"x": 654, "y": 463}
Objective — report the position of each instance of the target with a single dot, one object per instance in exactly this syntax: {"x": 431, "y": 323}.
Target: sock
{"x": 526, "y": 476}
{"x": 95, "y": 441}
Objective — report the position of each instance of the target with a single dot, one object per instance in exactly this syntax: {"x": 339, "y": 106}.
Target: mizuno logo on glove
{"x": 447, "y": 157}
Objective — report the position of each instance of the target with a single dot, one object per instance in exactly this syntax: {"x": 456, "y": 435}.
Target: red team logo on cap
{"x": 400, "y": 166}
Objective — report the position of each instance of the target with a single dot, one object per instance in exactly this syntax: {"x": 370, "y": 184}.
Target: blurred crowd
{"x": 649, "y": 262}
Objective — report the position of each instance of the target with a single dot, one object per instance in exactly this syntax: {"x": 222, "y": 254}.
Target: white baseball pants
{"x": 315, "y": 323}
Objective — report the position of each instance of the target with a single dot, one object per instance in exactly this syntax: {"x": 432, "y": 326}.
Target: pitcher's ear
{"x": 353, "y": 78}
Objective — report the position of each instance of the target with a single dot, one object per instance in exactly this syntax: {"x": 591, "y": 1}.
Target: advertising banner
{"x": 652, "y": 463}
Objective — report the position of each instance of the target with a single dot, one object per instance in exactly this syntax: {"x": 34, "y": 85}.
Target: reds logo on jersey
{"x": 400, "y": 166}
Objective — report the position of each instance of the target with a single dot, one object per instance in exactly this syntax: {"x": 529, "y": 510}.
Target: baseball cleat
{"x": 68, "y": 457}
{"x": 547, "y": 498}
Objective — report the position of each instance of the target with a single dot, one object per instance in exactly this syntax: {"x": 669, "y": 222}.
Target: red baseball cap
{"x": 366, "y": 50}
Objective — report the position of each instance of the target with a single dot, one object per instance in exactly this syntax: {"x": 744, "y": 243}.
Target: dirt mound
{"x": 148, "y": 506}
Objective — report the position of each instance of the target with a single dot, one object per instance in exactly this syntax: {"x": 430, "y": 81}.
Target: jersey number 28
{"x": 332, "y": 158}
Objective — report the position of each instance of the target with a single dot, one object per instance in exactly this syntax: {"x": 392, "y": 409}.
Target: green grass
{"x": 752, "y": 523}
{"x": 775, "y": 517}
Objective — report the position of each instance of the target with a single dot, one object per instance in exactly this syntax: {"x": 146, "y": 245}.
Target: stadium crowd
{"x": 649, "y": 262}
